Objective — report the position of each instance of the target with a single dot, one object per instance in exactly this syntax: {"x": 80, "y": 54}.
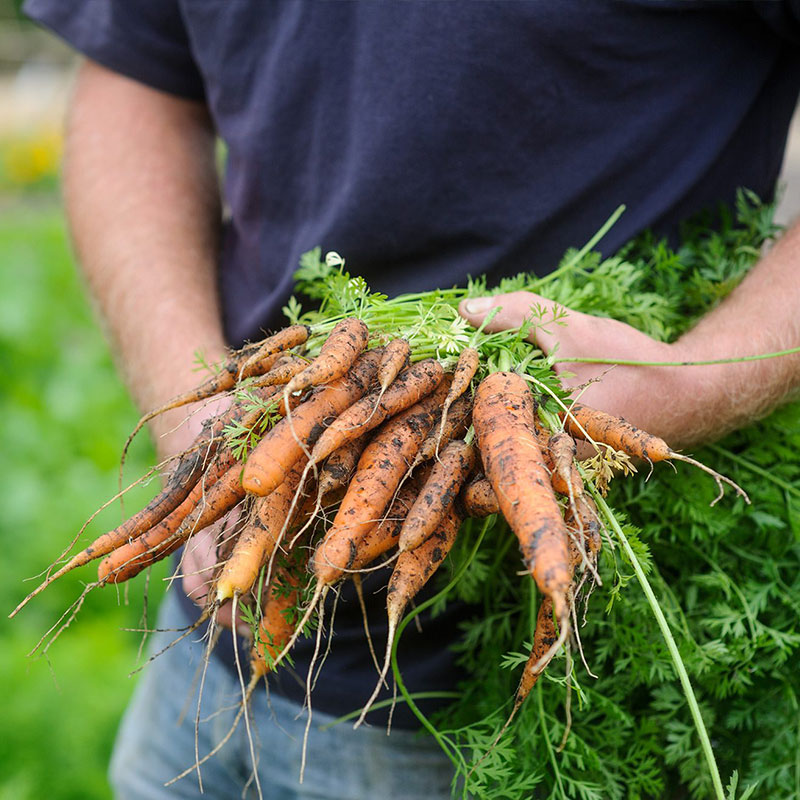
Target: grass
{"x": 63, "y": 418}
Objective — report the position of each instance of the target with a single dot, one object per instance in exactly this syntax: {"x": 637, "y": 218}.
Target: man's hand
{"x": 685, "y": 405}
{"x": 648, "y": 397}
{"x": 179, "y": 429}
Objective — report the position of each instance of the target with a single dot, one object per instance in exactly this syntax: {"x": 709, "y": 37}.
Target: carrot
{"x": 278, "y": 619}
{"x": 411, "y": 385}
{"x": 584, "y": 521}
{"x": 226, "y": 377}
{"x": 565, "y": 478}
{"x": 194, "y": 514}
{"x": 253, "y": 359}
{"x": 257, "y": 540}
{"x": 456, "y": 424}
{"x": 545, "y": 642}
{"x": 384, "y": 536}
{"x": 466, "y": 367}
{"x": 395, "y": 357}
{"x": 380, "y": 469}
{"x": 503, "y": 420}
{"x": 337, "y": 354}
{"x": 273, "y": 457}
{"x": 544, "y": 637}
{"x": 284, "y": 369}
{"x": 411, "y": 572}
{"x": 179, "y": 485}
{"x": 438, "y": 493}
{"x": 478, "y": 498}
{"x": 583, "y": 421}
{"x": 339, "y": 467}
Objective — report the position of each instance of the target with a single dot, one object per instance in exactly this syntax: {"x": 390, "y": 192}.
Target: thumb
{"x": 512, "y": 310}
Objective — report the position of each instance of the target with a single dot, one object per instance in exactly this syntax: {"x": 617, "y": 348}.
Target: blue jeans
{"x": 156, "y": 740}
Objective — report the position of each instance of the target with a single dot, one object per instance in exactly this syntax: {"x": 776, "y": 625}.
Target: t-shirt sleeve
{"x": 143, "y": 39}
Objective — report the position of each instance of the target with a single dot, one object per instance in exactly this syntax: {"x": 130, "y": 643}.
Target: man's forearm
{"x": 761, "y": 315}
{"x": 143, "y": 205}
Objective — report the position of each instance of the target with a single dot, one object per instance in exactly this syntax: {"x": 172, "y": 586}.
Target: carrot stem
{"x": 576, "y": 259}
{"x": 624, "y": 362}
{"x": 550, "y": 753}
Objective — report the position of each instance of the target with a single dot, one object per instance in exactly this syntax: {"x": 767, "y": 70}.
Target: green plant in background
{"x": 64, "y": 414}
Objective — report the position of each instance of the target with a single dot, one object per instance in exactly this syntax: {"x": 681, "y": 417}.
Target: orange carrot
{"x": 438, "y": 493}
{"x": 478, "y": 498}
{"x": 411, "y": 572}
{"x": 380, "y": 469}
{"x": 169, "y": 507}
{"x": 273, "y": 457}
{"x": 215, "y": 501}
{"x": 258, "y": 538}
{"x": 395, "y": 357}
{"x": 466, "y": 367}
{"x": 544, "y": 637}
{"x": 566, "y": 478}
{"x": 456, "y": 424}
{"x": 256, "y": 360}
{"x": 409, "y": 387}
{"x": 278, "y": 619}
{"x": 582, "y": 421}
{"x": 239, "y": 364}
{"x": 337, "y": 354}
{"x": 503, "y": 420}
{"x": 384, "y": 536}
{"x": 616, "y": 432}
{"x": 340, "y": 465}
{"x": 284, "y": 369}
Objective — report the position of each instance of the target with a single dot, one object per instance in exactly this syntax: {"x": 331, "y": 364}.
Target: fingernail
{"x": 478, "y": 305}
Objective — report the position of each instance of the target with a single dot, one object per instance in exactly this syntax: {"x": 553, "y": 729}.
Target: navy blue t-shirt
{"x": 428, "y": 141}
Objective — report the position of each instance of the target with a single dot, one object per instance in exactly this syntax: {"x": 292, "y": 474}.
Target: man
{"x": 425, "y": 142}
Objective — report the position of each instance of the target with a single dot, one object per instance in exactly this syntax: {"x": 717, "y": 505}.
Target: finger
{"x": 199, "y": 558}
{"x": 513, "y": 309}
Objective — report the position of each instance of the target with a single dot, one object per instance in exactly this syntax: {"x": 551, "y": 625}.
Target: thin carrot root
{"x": 68, "y": 615}
{"x": 247, "y": 694}
{"x": 360, "y": 594}
{"x": 719, "y": 478}
{"x": 208, "y": 613}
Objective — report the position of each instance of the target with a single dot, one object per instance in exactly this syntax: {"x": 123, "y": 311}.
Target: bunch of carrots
{"x": 340, "y": 422}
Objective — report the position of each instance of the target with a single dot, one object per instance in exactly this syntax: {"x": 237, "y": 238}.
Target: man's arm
{"x": 683, "y": 405}
{"x": 143, "y": 205}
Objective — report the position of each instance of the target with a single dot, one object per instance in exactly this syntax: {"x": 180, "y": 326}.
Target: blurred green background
{"x": 63, "y": 418}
